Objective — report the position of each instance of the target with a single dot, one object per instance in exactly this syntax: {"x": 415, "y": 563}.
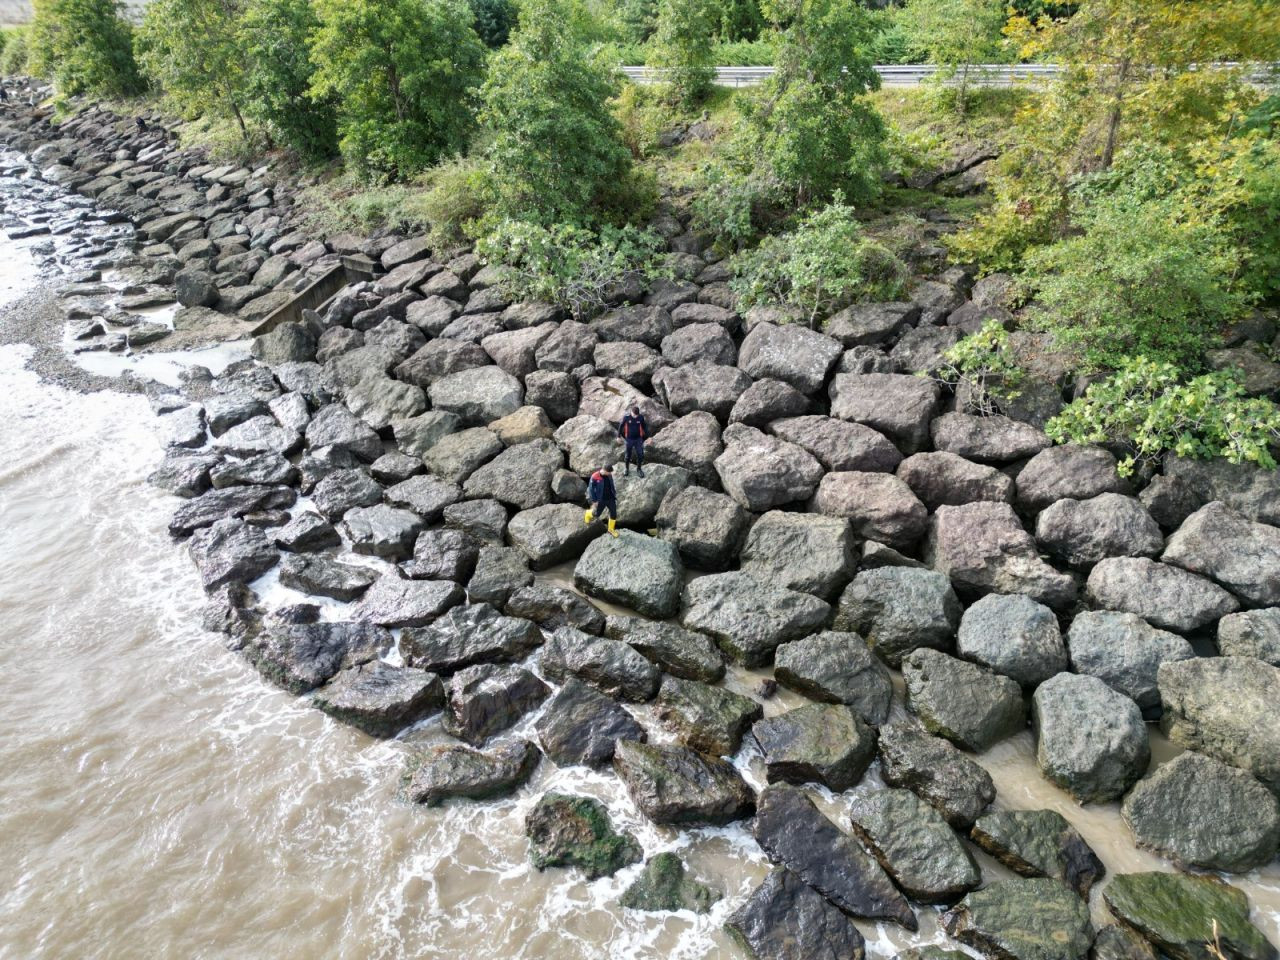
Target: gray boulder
{"x": 693, "y": 442}
{"x": 817, "y": 743}
{"x": 898, "y": 405}
{"x": 466, "y": 636}
{"x": 416, "y": 435}
{"x": 231, "y": 551}
{"x": 957, "y": 787}
{"x": 425, "y": 496}
{"x": 790, "y": 353}
{"x": 708, "y": 342}
{"x": 483, "y": 520}
{"x": 589, "y": 442}
{"x": 706, "y": 718}
{"x": 438, "y": 359}
{"x": 710, "y": 387}
{"x": 392, "y": 602}
{"x": 748, "y": 617}
{"x": 801, "y": 551}
{"x": 634, "y": 570}
{"x": 1254, "y": 633}
{"x": 866, "y": 324}
{"x": 880, "y": 506}
{"x": 1039, "y": 843}
{"x": 679, "y": 786}
{"x": 477, "y": 396}
{"x": 1165, "y": 596}
{"x": 306, "y": 532}
{"x": 640, "y": 498}
{"x": 325, "y": 576}
{"x": 382, "y": 531}
{"x": 514, "y": 350}
{"x": 1082, "y": 532}
{"x": 520, "y": 476}
{"x": 379, "y": 401}
{"x": 499, "y": 572}
{"x": 679, "y": 652}
{"x": 345, "y": 490}
{"x": 761, "y": 472}
{"x": 768, "y": 400}
{"x": 969, "y": 705}
{"x": 1229, "y": 548}
{"x": 609, "y": 665}
{"x": 443, "y": 555}
{"x": 1169, "y": 501}
{"x": 572, "y": 345}
{"x": 456, "y": 456}
{"x": 995, "y": 440}
{"x": 946, "y": 479}
{"x": 836, "y": 668}
{"x": 551, "y": 534}
{"x": 839, "y": 445}
{"x": 1246, "y": 488}
{"x": 554, "y": 607}
{"x": 645, "y": 324}
{"x": 706, "y": 528}
{"x": 302, "y": 656}
{"x": 1070, "y": 472}
{"x": 898, "y": 610}
{"x": 1014, "y": 636}
{"x": 1124, "y": 652}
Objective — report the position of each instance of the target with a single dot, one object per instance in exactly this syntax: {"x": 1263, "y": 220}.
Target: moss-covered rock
{"x": 666, "y": 885}
{"x": 567, "y": 831}
{"x": 1031, "y": 919}
{"x": 1039, "y": 843}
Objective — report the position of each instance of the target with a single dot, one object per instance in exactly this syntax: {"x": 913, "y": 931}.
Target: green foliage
{"x": 1148, "y": 408}
{"x": 572, "y": 266}
{"x": 682, "y": 48}
{"x": 825, "y": 264}
{"x": 14, "y": 60}
{"x": 738, "y": 21}
{"x": 191, "y": 50}
{"x": 812, "y": 130}
{"x": 452, "y": 201}
{"x": 494, "y": 21}
{"x": 983, "y": 370}
{"x": 85, "y": 46}
{"x": 728, "y": 206}
{"x": 401, "y": 72}
{"x": 555, "y": 150}
{"x": 638, "y": 19}
{"x": 278, "y": 77}
{"x": 956, "y": 35}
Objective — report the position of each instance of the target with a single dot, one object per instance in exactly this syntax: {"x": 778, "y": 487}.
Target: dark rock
{"x": 484, "y": 520}
{"x": 839, "y": 446}
{"x": 633, "y": 362}
{"x": 520, "y": 476}
{"x": 335, "y": 425}
{"x": 443, "y": 555}
{"x": 898, "y": 610}
{"x": 707, "y": 528}
{"x": 425, "y": 496}
{"x": 580, "y": 725}
{"x": 915, "y": 846}
{"x": 969, "y": 705}
{"x": 1169, "y": 501}
{"x": 589, "y": 442}
{"x": 681, "y": 653}
{"x": 708, "y": 387}
{"x": 1246, "y": 488}
{"x": 554, "y": 607}
{"x": 1082, "y": 532}
{"x": 898, "y": 405}
{"x": 1118, "y": 942}
{"x": 380, "y": 699}
{"x": 184, "y": 473}
{"x": 231, "y": 551}
{"x": 393, "y": 602}
{"x": 1013, "y": 635}
{"x": 569, "y": 831}
{"x": 303, "y": 656}
{"x": 1023, "y": 919}
{"x": 382, "y": 531}
{"x": 325, "y": 576}
{"x": 469, "y": 635}
{"x": 790, "y": 353}
{"x": 266, "y": 469}
{"x": 993, "y": 439}
{"x": 224, "y": 410}
{"x": 1124, "y": 652}
{"x": 647, "y": 325}
{"x": 551, "y": 534}
{"x": 1070, "y": 472}
{"x": 259, "y": 435}
{"x": 610, "y": 665}
{"x": 438, "y": 359}
{"x": 1238, "y": 553}
{"x": 801, "y": 551}
{"x": 499, "y": 572}
{"x": 936, "y": 771}
{"x": 871, "y": 323}
{"x": 676, "y": 785}
{"x": 457, "y": 456}
{"x": 639, "y": 498}
{"x": 768, "y": 400}
{"x": 818, "y": 743}
{"x": 880, "y": 506}
{"x": 748, "y": 617}
{"x": 664, "y": 885}
{"x": 457, "y": 771}
{"x": 761, "y": 472}
{"x": 477, "y": 396}
{"x": 306, "y": 532}
{"x": 554, "y": 392}
{"x": 396, "y": 467}
{"x": 708, "y": 719}
{"x": 487, "y": 698}
{"x": 634, "y": 570}
{"x": 214, "y": 505}
{"x": 837, "y": 668}
{"x": 345, "y": 490}
{"x": 1039, "y": 843}
{"x": 1166, "y": 596}
{"x": 692, "y": 442}
{"x": 786, "y": 919}
{"x": 945, "y": 479}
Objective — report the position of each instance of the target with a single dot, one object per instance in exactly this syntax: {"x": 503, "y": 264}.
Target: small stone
{"x": 567, "y": 831}
{"x": 664, "y": 885}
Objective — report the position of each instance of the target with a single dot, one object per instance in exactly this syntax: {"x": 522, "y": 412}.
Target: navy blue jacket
{"x": 601, "y": 488}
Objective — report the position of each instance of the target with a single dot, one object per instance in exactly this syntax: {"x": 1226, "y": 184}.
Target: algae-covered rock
{"x": 1039, "y": 843}
{"x": 566, "y": 831}
{"x": 665, "y": 884}
{"x": 1023, "y": 919}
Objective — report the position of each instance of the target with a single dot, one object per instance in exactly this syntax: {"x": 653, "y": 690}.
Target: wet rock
{"x": 1091, "y": 739}
{"x": 325, "y": 576}
{"x": 382, "y": 531}
{"x": 786, "y": 919}
{"x": 266, "y": 469}
{"x": 456, "y": 457}
{"x": 551, "y": 534}
{"x": 897, "y": 405}
{"x": 499, "y": 572}
{"x": 795, "y": 835}
{"x": 946, "y": 479}
{"x": 692, "y": 442}
{"x": 1023, "y": 919}
{"x": 610, "y": 665}
{"x": 1118, "y": 942}
{"x": 898, "y": 610}
{"x": 665, "y": 885}
{"x": 477, "y": 396}
{"x": 336, "y": 426}
{"x": 839, "y": 446}
{"x": 958, "y": 787}
{"x": 1225, "y": 707}
{"x": 184, "y": 473}
{"x": 1082, "y": 532}
{"x": 484, "y": 520}
{"x": 984, "y": 549}
{"x": 443, "y": 555}
{"x": 379, "y": 698}
{"x": 393, "y": 602}
{"x": 1184, "y": 915}
{"x": 259, "y": 435}
{"x": 224, "y": 410}
{"x": 569, "y": 831}
{"x": 836, "y": 668}
{"x": 1248, "y": 489}
{"x": 1039, "y": 843}
{"x": 1254, "y": 633}
{"x": 1070, "y": 472}
{"x": 1224, "y": 545}
{"x": 790, "y": 353}
{"x": 425, "y": 496}
{"x": 748, "y": 617}
{"x": 801, "y": 551}
{"x": 1167, "y": 597}
{"x": 1124, "y": 652}
{"x": 580, "y": 725}
{"x": 231, "y": 551}
{"x": 761, "y": 472}
{"x": 287, "y": 343}
{"x": 466, "y": 636}
{"x": 306, "y": 532}
{"x": 969, "y": 705}
{"x": 555, "y": 607}
{"x": 520, "y": 476}
{"x": 183, "y": 427}
{"x": 1200, "y": 812}
{"x": 931, "y": 952}
{"x": 634, "y": 570}
{"x": 380, "y": 401}
{"x": 487, "y": 698}
{"x": 708, "y": 719}
{"x": 768, "y": 400}
{"x": 303, "y": 656}
{"x": 679, "y": 786}
{"x": 344, "y": 490}
{"x": 914, "y": 844}
{"x": 817, "y": 743}
{"x": 639, "y": 498}
{"x": 706, "y": 528}
{"x": 995, "y": 439}
{"x": 1013, "y": 635}
{"x": 880, "y": 506}
{"x": 681, "y": 653}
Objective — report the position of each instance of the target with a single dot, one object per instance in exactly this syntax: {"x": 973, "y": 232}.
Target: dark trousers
{"x": 609, "y": 506}
{"x": 635, "y": 450}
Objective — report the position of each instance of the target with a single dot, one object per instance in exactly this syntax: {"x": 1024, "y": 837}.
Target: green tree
{"x": 738, "y": 20}
{"x": 555, "y": 150}
{"x": 812, "y": 129}
{"x": 957, "y": 35}
{"x": 191, "y": 50}
{"x": 494, "y": 20}
{"x": 279, "y": 72}
{"x": 682, "y": 47}
{"x": 402, "y": 72}
{"x": 85, "y": 46}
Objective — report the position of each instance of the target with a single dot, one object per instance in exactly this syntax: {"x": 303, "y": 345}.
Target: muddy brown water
{"x": 158, "y": 799}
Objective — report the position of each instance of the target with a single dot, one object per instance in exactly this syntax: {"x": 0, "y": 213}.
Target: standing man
{"x": 602, "y": 498}
{"x": 634, "y": 432}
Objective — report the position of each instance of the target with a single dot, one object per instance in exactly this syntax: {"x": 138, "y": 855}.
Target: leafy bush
{"x": 14, "y": 60}
{"x": 451, "y": 201}
{"x": 402, "y": 73}
{"x": 956, "y": 35}
{"x": 824, "y": 264}
{"x": 191, "y": 50}
{"x": 682, "y": 48}
{"x": 555, "y": 150}
{"x": 85, "y": 46}
{"x": 279, "y": 73}
{"x": 983, "y": 370}
{"x": 729, "y": 206}
{"x": 1149, "y": 409}
{"x": 569, "y": 265}
{"x": 494, "y": 20}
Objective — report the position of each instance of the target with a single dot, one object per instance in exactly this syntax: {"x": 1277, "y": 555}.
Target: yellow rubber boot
{"x": 612, "y": 531}
{"x": 586, "y": 518}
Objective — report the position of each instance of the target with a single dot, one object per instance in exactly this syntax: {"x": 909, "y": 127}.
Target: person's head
{"x": 607, "y": 471}
{"x": 635, "y": 411}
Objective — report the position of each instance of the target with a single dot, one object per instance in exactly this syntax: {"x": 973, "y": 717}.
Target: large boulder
{"x": 466, "y": 636}
{"x": 1229, "y": 548}
{"x": 1254, "y": 633}
{"x": 637, "y": 571}
{"x": 1059, "y": 473}
{"x": 610, "y": 399}
{"x": 589, "y": 442}
{"x": 665, "y": 885}
{"x": 1165, "y": 596}
{"x": 581, "y": 725}
{"x": 984, "y": 549}
{"x": 231, "y": 551}
{"x": 899, "y": 609}
{"x": 679, "y": 652}
{"x": 487, "y": 698}
{"x": 567, "y": 831}
{"x": 416, "y": 435}
{"x": 968, "y": 704}
{"x": 1023, "y": 919}
{"x": 1082, "y": 532}
{"x": 610, "y": 665}
{"x": 379, "y": 698}
{"x": 786, "y": 919}
{"x": 707, "y": 528}
{"x": 817, "y": 743}
{"x": 945, "y": 479}
{"x": 898, "y": 405}
{"x": 1124, "y": 652}
{"x": 1248, "y": 489}
{"x": 836, "y": 668}
{"x": 382, "y": 531}
{"x": 551, "y": 534}
{"x": 644, "y": 324}
{"x": 880, "y": 506}
{"x": 749, "y": 617}
{"x": 761, "y": 472}
{"x": 708, "y": 342}
{"x": 766, "y": 401}
{"x": 1039, "y": 843}
{"x": 710, "y": 719}
{"x": 231, "y": 502}
{"x": 1091, "y": 739}
{"x": 957, "y": 786}
{"x": 678, "y": 786}
{"x": 457, "y": 771}
{"x": 393, "y": 602}
{"x": 1012, "y": 635}
{"x": 425, "y": 496}
{"x": 477, "y": 396}
{"x": 1200, "y": 812}
{"x": 552, "y": 607}
{"x": 302, "y": 656}
{"x": 711, "y": 387}
{"x": 520, "y": 476}
{"x": 692, "y": 442}
{"x": 457, "y": 456}
{"x": 640, "y": 498}
{"x": 438, "y": 359}
{"x": 380, "y": 401}
{"x": 866, "y": 324}
{"x": 1225, "y": 707}
{"x": 790, "y": 353}
{"x": 915, "y": 845}
{"x": 994, "y": 440}
{"x": 499, "y": 572}
{"x": 796, "y": 835}
{"x": 801, "y": 551}
{"x": 839, "y": 445}
{"x": 326, "y": 576}
{"x": 345, "y": 490}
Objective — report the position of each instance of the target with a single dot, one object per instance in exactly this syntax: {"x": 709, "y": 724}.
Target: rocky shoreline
{"x": 413, "y": 457}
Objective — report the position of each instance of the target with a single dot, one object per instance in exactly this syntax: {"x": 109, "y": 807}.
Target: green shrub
{"x": 191, "y": 50}
{"x": 729, "y": 206}
{"x": 823, "y": 265}
{"x": 402, "y": 73}
{"x": 569, "y": 265}
{"x": 278, "y": 80}
{"x": 85, "y": 46}
{"x": 738, "y": 21}
{"x": 1149, "y": 409}
{"x": 682, "y": 48}
{"x": 14, "y": 60}
{"x": 555, "y": 150}
{"x": 494, "y": 21}
{"x": 451, "y": 201}
{"x": 983, "y": 370}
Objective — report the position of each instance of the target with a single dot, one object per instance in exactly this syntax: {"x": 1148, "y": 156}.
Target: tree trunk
{"x": 1114, "y": 115}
